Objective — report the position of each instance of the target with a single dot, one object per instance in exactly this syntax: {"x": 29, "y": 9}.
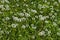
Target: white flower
{"x": 54, "y": 23}
{"x": 24, "y": 0}
{"x": 36, "y": 16}
{"x": 6, "y": 1}
{"x": 55, "y": 3}
{"x": 7, "y": 7}
{"x": 3, "y": 9}
{"x": 32, "y": 24}
{"x": 1, "y": 32}
{"x": 41, "y": 11}
{"x": 16, "y": 19}
{"x": 25, "y": 5}
{"x": 58, "y": 33}
{"x": 48, "y": 3}
{"x": 14, "y": 25}
{"x": 45, "y": 0}
{"x": 0, "y": 28}
{"x": 33, "y": 11}
{"x": 1, "y": 6}
{"x": 33, "y": 36}
{"x": 7, "y": 32}
{"x": 1, "y": 12}
{"x": 43, "y": 6}
{"x": 27, "y": 14}
{"x": 43, "y": 18}
{"x": 32, "y": 2}
{"x": 58, "y": 29}
{"x": 23, "y": 19}
{"x": 33, "y": 18}
{"x": 40, "y": 15}
{"x": 23, "y": 26}
{"x": 27, "y": 25}
{"x": 33, "y": 27}
{"x": 42, "y": 33}
{"x": 17, "y": 4}
{"x": 59, "y": 1}
{"x": 46, "y": 29}
{"x": 7, "y": 18}
{"x": 50, "y": 14}
{"x": 49, "y": 32}
{"x": 20, "y": 35}
{"x": 39, "y": 6}
{"x": 21, "y": 14}
{"x": 55, "y": 13}
{"x": 47, "y": 16}
{"x": 46, "y": 21}
{"x": 53, "y": 16}
{"x": 3, "y": 1}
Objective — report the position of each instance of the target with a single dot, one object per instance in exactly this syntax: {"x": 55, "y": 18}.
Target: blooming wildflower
{"x": 54, "y": 24}
{"x": 47, "y": 16}
{"x": 17, "y": 4}
{"x": 20, "y": 35}
{"x": 0, "y": 12}
{"x": 49, "y": 32}
{"x": 3, "y": 9}
{"x": 58, "y": 33}
{"x": 7, "y": 7}
{"x": 50, "y": 14}
{"x": 7, "y": 18}
{"x": 23, "y": 26}
{"x": 33, "y": 37}
{"x": 55, "y": 13}
{"x": 7, "y": 32}
{"x": 25, "y": 5}
{"x": 48, "y": 3}
{"x": 16, "y": 19}
{"x": 33, "y": 18}
{"x": 23, "y": 19}
{"x": 24, "y": 0}
{"x": 27, "y": 14}
{"x": 45, "y": 0}
{"x": 46, "y": 21}
{"x": 55, "y": 3}
{"x": 42, "y": 33}
{"x": 21, "y": 14}
{"x": 43, "y": 6}
{"x": 31, "y": 2}
{"x": 39, "y": 6}
{"x": 36, "y": 16}
{"x": 6, "y": 1}
{"x": 34, "y": 27}
{"x": 43, "y": 18}
{"x": 33, "y": 11}
{"x": 1, "y": 31}
{"x": 59, "y": 1}
{"x": 0, "y": 28}
{"x": 46, "y": 29}
{"x": 14, "y": 25}
{"x": 41, "y": 11}
{"x": 2, "y": 1}
{"x": 27, "y": 25}
{"x": 32, "y": 24}
{"x": 1, "y": 6}
{"x": 40, "y": 15}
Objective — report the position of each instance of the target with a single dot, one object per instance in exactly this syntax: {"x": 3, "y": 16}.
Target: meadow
{"x": 29, "y": 19}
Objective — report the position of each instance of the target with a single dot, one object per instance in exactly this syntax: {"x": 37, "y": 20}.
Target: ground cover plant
{"x": 29, "y": 19}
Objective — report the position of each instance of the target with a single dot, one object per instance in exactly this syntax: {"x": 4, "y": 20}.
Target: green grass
{"x": 29, "y": 20}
